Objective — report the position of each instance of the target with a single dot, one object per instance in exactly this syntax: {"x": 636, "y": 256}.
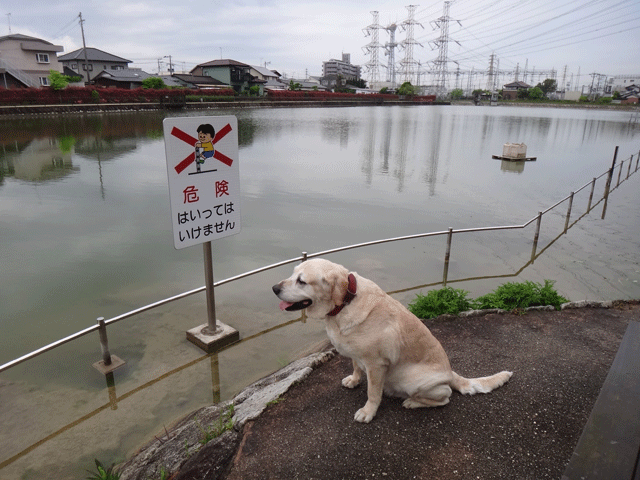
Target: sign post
{"x": 204, "y": 188}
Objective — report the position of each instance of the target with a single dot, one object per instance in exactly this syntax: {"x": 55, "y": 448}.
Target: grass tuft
{"x": 103, "y": 473}
{"x": 438, "y": 302}
{"x": 224, "y": 423}
{"x": 509, "y": 296}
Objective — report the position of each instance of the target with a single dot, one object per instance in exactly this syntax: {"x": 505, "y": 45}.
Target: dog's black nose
{"x": 276, "y": 289}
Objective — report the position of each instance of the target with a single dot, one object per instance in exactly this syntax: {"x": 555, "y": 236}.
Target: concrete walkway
{"x": 526, "y": 429}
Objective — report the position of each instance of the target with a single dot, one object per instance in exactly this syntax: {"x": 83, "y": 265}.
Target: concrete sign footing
{"x": 209, "y": 341}
{"x": 116, "y": 362}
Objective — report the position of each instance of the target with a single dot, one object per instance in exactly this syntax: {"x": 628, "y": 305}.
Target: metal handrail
{"x": 306, "y": 256}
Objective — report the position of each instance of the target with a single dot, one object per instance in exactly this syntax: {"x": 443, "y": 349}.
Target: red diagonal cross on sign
{"x": 185, "y": 137}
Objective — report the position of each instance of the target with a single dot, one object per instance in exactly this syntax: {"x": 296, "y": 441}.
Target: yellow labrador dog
{"x": 385, "y": 341}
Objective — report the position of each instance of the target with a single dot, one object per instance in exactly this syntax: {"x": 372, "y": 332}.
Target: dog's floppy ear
{"x": 338, "y": 280}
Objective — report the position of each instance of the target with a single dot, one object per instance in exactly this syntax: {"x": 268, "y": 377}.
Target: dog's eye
{"x": 301, "y": 282}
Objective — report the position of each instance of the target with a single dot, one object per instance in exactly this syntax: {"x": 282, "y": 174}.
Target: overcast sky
{"x": 295, "y": 37}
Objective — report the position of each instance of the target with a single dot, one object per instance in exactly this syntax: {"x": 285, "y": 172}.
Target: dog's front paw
{"x": 364, "y": 416}
{"x": 350, "y": 381}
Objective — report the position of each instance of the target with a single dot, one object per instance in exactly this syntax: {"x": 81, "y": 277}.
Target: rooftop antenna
{"x": 9, "y": 21}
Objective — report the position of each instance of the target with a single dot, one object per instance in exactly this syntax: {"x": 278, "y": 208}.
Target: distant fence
{"x": 612, "y": 182}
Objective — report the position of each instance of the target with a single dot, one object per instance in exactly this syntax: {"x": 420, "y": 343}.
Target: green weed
{"x": 103, "y": 473}
{"x": 509, "y": 296}
{"x": 512, "y": 296}
{"x": 438, "y": 302}
{"x": 224, "y": 423}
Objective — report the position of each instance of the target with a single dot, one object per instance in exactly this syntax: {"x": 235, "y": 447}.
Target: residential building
{"x": 27, "y": 61}
{"x": 619, "y": 83}
{"x": 272, "y": 78}
{"x": 307, "y": 84}
{"x": 230, "y": 72}
{"x": 94, "y": 61}
{"x": 510, "y": 90}
{"x": 263, "y": 73}
{"x": 193, "y": 81}
{"x": 336, "y": 73}
{"x": 128, "y": 78}
{"x": 630, "y": 94}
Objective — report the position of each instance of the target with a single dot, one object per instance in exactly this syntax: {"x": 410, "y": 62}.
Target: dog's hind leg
{"x": 353, "y": 380}
{"x": 436, "y": 397}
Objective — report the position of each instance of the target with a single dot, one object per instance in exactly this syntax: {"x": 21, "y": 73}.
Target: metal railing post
{"x": 109, "y": 362}
{"x": 104, "y": 342}
{"x": 637, "y": 160}
{"x": 536, "y": 236}
{"x": 593, "y": 187}
{"x": 620, "y": 173}
{"x": 566, "y": 222}
{"x": 607, "y": 187}
{"x": 446, "y": 258}
{"x": 630, "y": 164}
{"x": 303, "y": 315}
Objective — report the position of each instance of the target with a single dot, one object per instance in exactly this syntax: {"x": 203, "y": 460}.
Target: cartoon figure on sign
{"x": 204, "y": 145}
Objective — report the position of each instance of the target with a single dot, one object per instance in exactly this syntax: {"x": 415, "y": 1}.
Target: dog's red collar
{"x": 350, "y": 295}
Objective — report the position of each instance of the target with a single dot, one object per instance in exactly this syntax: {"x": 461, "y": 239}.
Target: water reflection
{"x": 511, "y": 166}
{"x": 37, "y": 161}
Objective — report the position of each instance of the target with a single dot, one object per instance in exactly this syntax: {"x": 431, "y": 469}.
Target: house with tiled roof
{"x": 27, "y": 61}
{"x": 128, "y": 78}
{"x": 88, "y": 64}
{"x": 510, "y": 90}
{"x": 193, "y": 81}
{"x": 230, "y": 72}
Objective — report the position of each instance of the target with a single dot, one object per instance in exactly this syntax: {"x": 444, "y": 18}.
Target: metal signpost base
{"x": 214, "y": 334}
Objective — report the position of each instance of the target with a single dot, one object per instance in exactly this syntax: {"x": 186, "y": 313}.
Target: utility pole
{"x": 170, "y": 64}
{"x": 84, "y": 47}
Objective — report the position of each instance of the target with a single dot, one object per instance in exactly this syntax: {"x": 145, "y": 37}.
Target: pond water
{"x": 86, "y": 233}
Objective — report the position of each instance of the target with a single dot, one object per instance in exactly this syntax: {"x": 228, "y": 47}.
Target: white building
{"x": 27, "y": 61}
{"x": 344, "y": 68}
{"x": 619, "y": 83}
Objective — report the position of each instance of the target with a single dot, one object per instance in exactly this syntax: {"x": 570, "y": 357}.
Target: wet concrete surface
{"x": 526, "y": 429}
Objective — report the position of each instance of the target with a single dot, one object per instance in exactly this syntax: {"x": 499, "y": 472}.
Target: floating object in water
{"x": 515, "y": 152}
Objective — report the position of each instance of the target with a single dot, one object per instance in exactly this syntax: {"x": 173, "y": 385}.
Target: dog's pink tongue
{"x": 284, "y": 305}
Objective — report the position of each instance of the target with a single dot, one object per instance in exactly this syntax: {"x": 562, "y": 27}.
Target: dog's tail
{"x": 471, "y": 386}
